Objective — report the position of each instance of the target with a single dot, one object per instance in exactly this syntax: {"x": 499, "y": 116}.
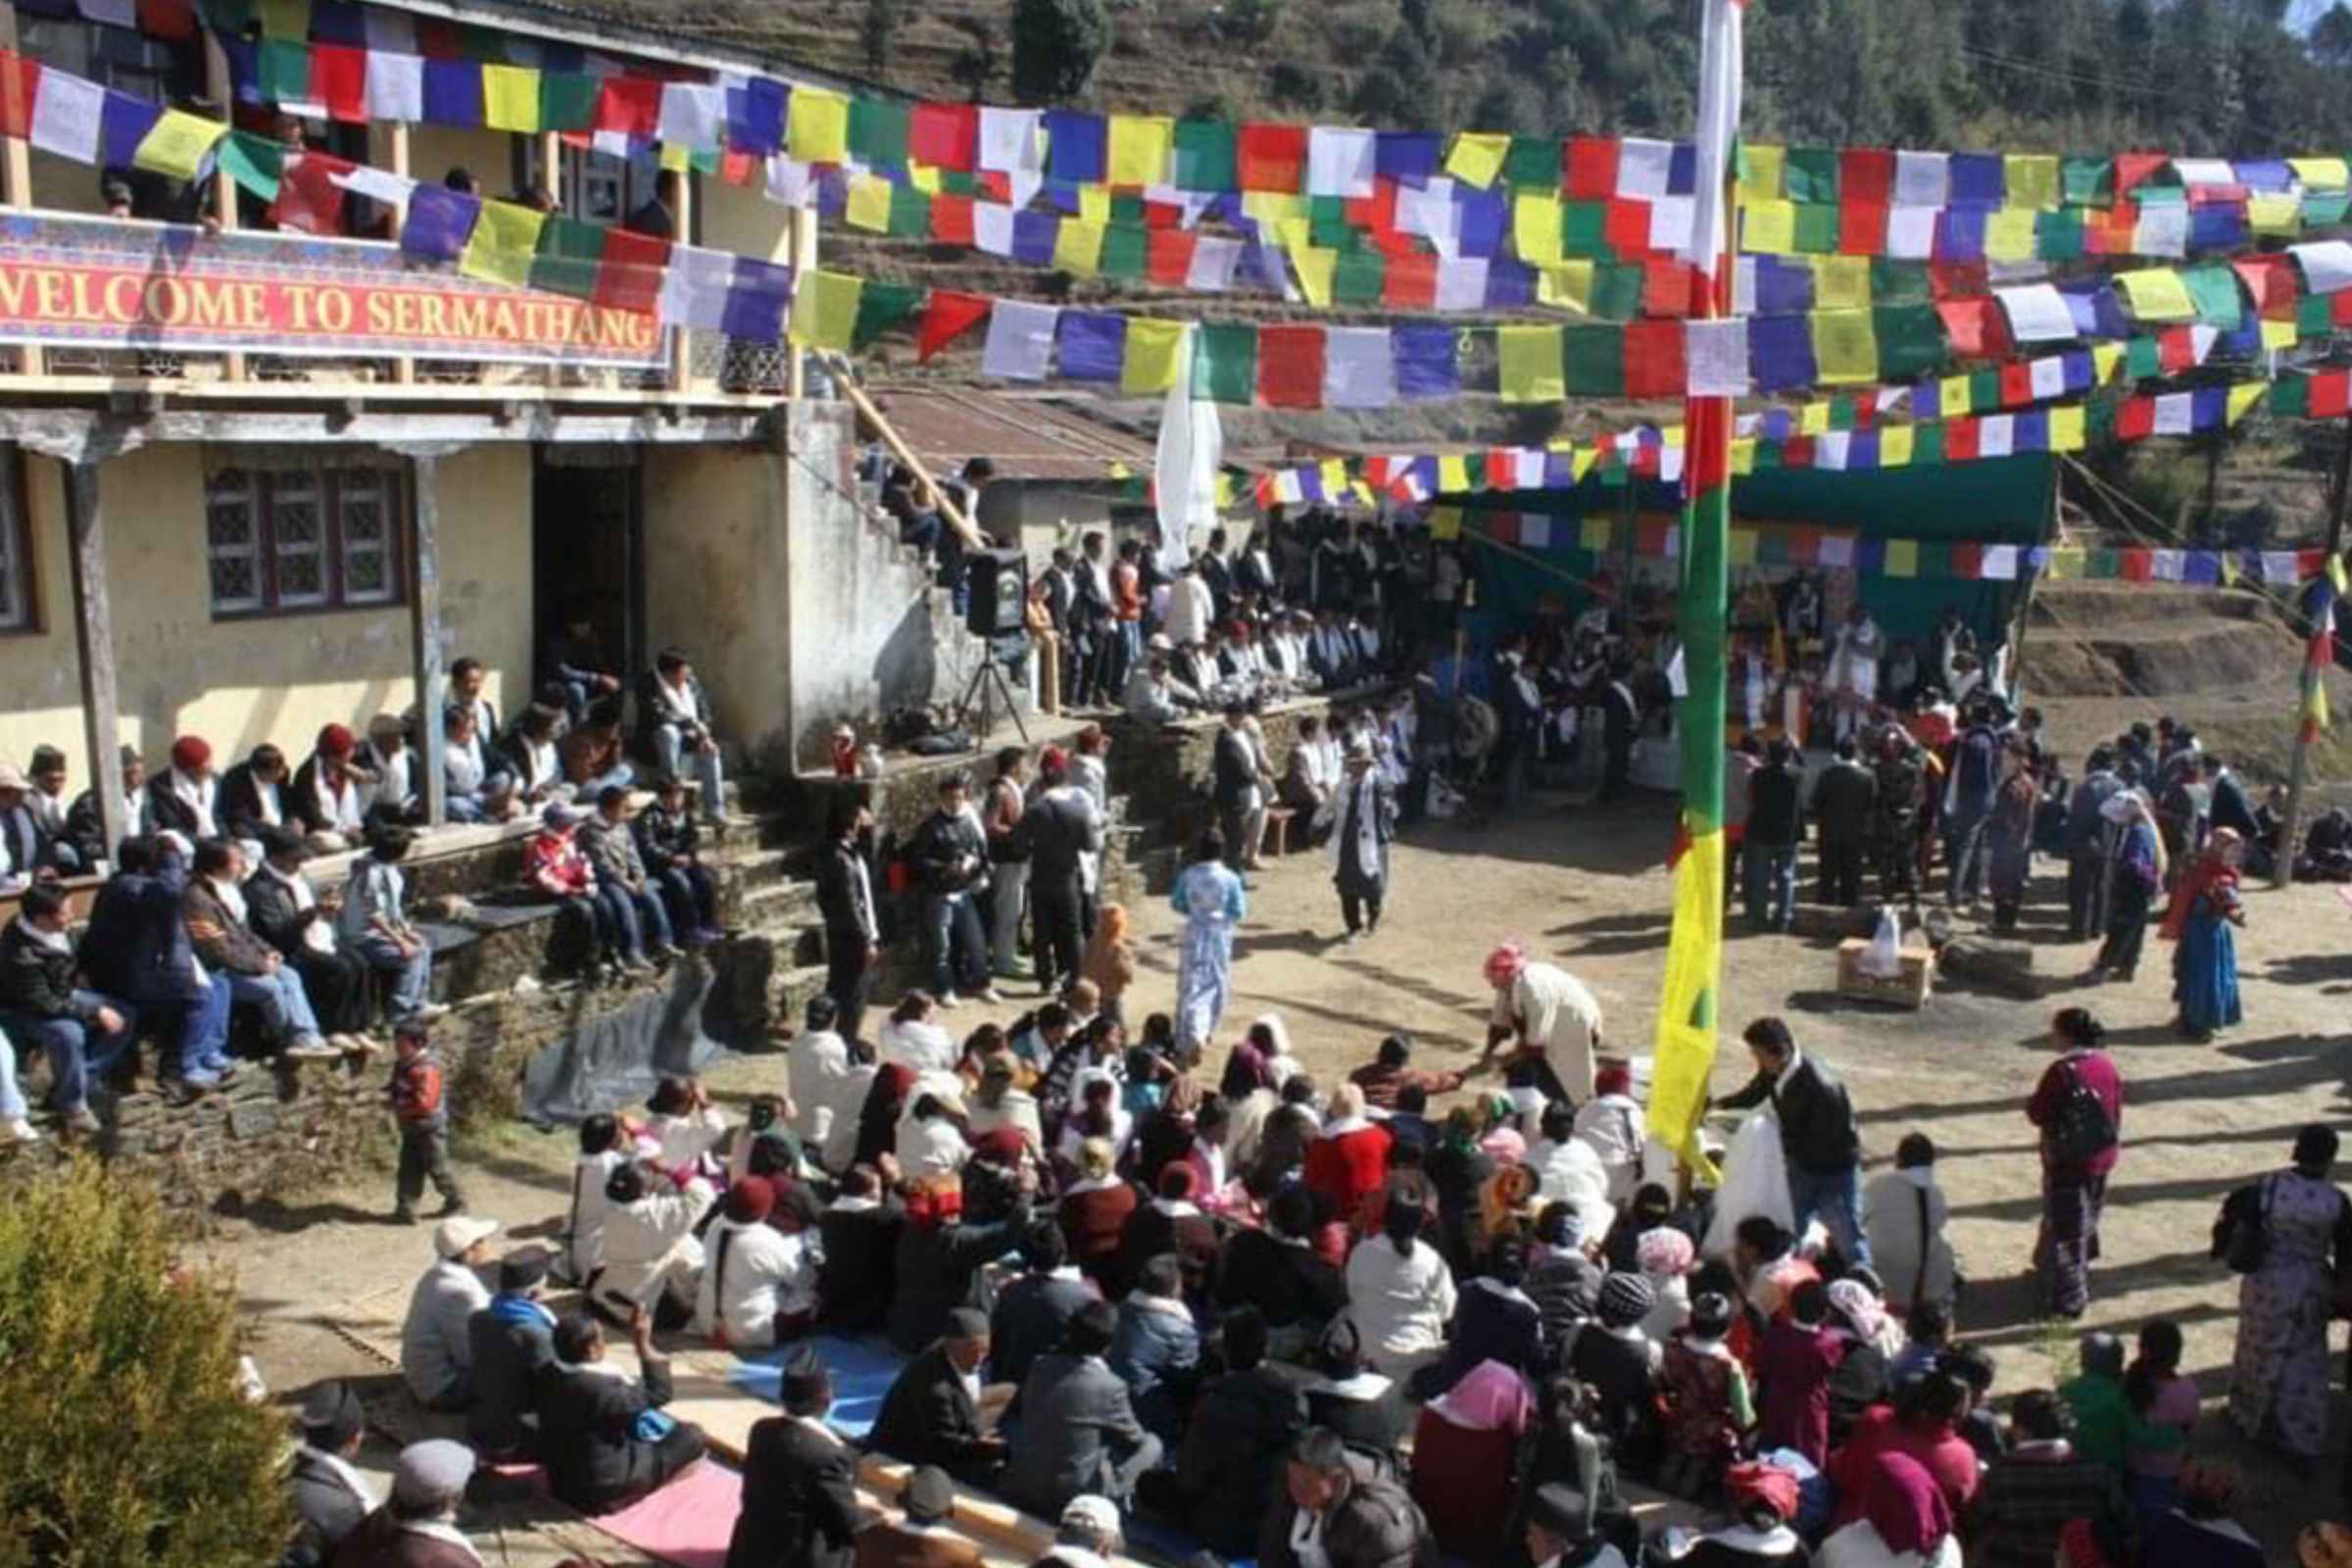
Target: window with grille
{"x": 283, "y": 541}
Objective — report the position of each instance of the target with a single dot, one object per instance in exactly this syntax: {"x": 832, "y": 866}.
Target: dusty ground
{"x": 1586, "y": 885}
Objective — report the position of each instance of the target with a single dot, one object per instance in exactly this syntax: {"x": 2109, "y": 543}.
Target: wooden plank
{"x": 424, "y": 630}
{"x": 94, "y": 638}
{"x": 800, "y": 239}
{"x": 64, "y": 432}
{"x": 681, "y": 347}
{"x": 222, "y": 91}
{"x": 403, "y": 368}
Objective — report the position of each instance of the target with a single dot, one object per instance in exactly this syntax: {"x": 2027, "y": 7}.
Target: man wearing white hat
{"x": 1361, "y": 816}
{"x": 435, "y": 1357}
{"x": 418, "y": 1527}
{"x": 1087, "y": 1536}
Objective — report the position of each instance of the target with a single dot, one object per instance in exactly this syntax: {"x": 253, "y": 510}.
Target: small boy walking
{"x": 421, "y": 1111}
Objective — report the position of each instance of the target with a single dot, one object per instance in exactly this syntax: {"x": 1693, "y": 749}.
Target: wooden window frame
{"x": 333, "y": 547}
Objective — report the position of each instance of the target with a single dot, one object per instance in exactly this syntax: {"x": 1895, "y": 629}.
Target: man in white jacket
{"x": 817, "y": 1073}
{"x": 758, "y": 1284}
{"x": 1903, "y": 1212}
{"x": 652, "y": 1258}
{"x": 435, "y": 1356}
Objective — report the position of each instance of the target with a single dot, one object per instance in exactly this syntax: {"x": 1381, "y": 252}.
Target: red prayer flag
{"x": 1974, "y": 327}
{"x": 2175, "y": 350}
{"x": 628, "y": 276}
{"x": 1290, "y": 365}
{"x": 2133, "y": 168}
{"x": 1962, "y": 439}
{"x": 1797, "y": 452}
{"x": 1950, "y": 279}
{"x": 1393, "y": 244}
{"x": 631, "y": 105}
{"x": 2339, "y": 309}
{"x": 1669, "y": 287}
{"x": 1654, "y": 360}
{"x": 2138, "y": 564}
{"x": 308, "y": 200}
{"x": 1162, "y": 214}
{"x": 1649, "y": 533}
{"x": 1409, "y": 283}
{"x": 1374, "y": 214}
{"x": 1588, "y": 169}
{"x": 19, "y": 84}
{"x": 2271, "y": 281}
{"x": 952, "y": 218}
{"x": 1968, "y": 560}
{"x": 1866, "y": 175}
{"x": 438, "y": 38}
{"x": 995, "y": 185}
{"x": 2017, "y": 384}
{"x": 174, "y": 20}
{"x": 1804, "y": 547}
{"x": 1271, "y": 158}
{"x": 2135, "y": 419}
{"x": 944, "y": 136}
{"x": 1169, "y": 256}
{"x": 1861, "y": 228}
{"x": 1625, "y": 226}
{"x": 948, "y": 317}
{"x": 2331, "y": 394}
{"x": 339, "y": 80}
{"x": 2114, "y": 232}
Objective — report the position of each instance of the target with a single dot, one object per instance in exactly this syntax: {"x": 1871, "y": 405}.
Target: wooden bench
{"x": 1276, "y": 830}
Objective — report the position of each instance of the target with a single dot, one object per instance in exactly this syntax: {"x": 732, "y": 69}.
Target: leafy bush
{"x": 1292, "y": 86}
{"x": 974, "y": 67}
{"x": 1250, "y": 20}
{"x": 1056, "y": 45}
{"x": 874, "y": 31}
{"x": 125, "y": 1442}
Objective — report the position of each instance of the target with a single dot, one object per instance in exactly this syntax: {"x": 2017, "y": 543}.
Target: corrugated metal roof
{"x": 1027, "y": 438}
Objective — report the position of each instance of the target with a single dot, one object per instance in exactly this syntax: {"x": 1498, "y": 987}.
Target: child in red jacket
{"x": 421, "y": 1108}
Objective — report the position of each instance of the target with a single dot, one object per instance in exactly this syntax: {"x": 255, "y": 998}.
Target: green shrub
{"x": 126, "y": 1441}
{"x": 1293, "y": 87}
{"x": 876, "y": 29}
{"x": 1056, "y": 45}
{"x": 1250, "y": 20}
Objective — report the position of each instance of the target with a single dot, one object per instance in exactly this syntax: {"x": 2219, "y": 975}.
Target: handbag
{"x": 2242, "y": 1237}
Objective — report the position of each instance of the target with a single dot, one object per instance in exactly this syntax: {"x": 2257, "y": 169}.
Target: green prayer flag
{"x": 282, "y": 70}
{"x": 1204, "y": 155}
{"x": 910, "y": 213}
{"x": 1841, "y": 409}
{"x": 258, "y": 162}
{"x": 1126, "y": 206}
{"x": 1616, "y": 292}
{"x": 1934, "y": 559}
{"x": 1584, "y": 229}
{"x": 1533, "y": 164}
{"x": 878, "y": 131}
{"x": 2325, "y": 209}
{"x": 1126, "y": 250}
{"x": 2088, "y": 181}
{"x": 1893, "y": 282}
{"x": 1357, "y": 280}
{"x": 958, "y": 183}
{"x": 2058, "y": 234}
{"x": 2312, "y": 318}
{"x": 2214, "y": 289}
{"x": 2290, "y": 397}
{"x": 1926, "y": 444}
{"x": 1767, "y": 458}
{"x": 2099, "y": 564}
{"x": 1225, "y": 364}
{"x": 1983, "y": 391}
{"x": 1771, "y": 548}
{"x": 1811, "y": 173}
{"x": 1327, "y": 224}
{"x": 2141, "y": 359}
{"x": 1596, "y": 361}
{"x": 882, "y": 306}
{"x": 569, "y": 253}
{"x": 1816, "y": 228}
{"x": 567, "y": 100}
{"x": 1910, "y": 340}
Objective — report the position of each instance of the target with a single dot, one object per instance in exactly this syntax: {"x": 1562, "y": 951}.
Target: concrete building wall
{"x": 716, "y": 580}
{"x": 241, "y": 682}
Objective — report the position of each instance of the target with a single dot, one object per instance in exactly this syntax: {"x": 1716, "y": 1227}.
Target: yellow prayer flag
{"x": 1840, "y": 282}
{"x": 817, "y": 129}
{"x": 1902, "y": 558}
{"x": 1535, "y": 228}
{"x": 923, "y": 178}
{"x": 2031, "y": 179}
{"x": 869, "y": 204}
{"x": 1743, "y": 454}
{"x": 1763, "y": 172}
{"x": 824, "y": 309}
{"x": 2322, "y": 174}
{"x": 1364, "y": 492}
{"x": 2244, "y": 396}
{"x": 1317, "y": 268}
{"x": 2157, "y": 294}
{"x": 1531, "y": 359}
{"x": 1846, "y": 347}
{"x": 1743, "y": 548}
{"x": 1584, "y": 459}
{"x": 1952, "y": 396}
{"x": 1683, "y": 1049}
{"x": 1138, "y": 148}
{"x": 2279, "y": 334}
{"x": 2066, "y": 561}
{"x": 287, "y": 19}
{"x": 1078, "y": 247}
{"x": 676, "y": 157}
{"x": 1768, "y": 227}
{"x": 2275, "y": 214}
{"x": 1094, "y": 203}
{"x": 1445, "y": 523}
{"x": 1813, "y": 418}
{"x": 2229, "y": 571}
{"x": 1271, "y": 209}
{"x": 2009, "y": 233}
{"x": 1153, "y": 350}
{"x": 505, "y": 238}
{"x": 2105, "y": 360}
{"x": 1894, "y": 446}
{"x": 511, "y": 98}
{"x": 178, "y": 143}
{"x": 1671, "y": 435}
{"x": 1334, "y": 474}
{"x": 1453, "y": 475}
{"x": 1592, "y": 534}
{"x": 1477, "y": 157}
{"x": 1568, "y": 285}
{"x": 2066, "y": 429}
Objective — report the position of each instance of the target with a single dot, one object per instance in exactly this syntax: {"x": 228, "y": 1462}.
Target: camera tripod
{"x": 987, "y": 687}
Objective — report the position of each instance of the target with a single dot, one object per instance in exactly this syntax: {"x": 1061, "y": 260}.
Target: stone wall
{"x": 1166, "y": 770}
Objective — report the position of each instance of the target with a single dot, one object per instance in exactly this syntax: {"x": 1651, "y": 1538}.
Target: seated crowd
{"x": 207, "y": 936}
{"x": 1317, "y": 1327}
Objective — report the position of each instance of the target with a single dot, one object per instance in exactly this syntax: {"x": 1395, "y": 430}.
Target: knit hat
{"x": 429, "y": 1472}
{"x": 336, "y": 740}
{"x": 1664, "y": 1251}
{"x": 929, "y": 1495}
{"x": 1000, "y": 1145}
{"x": 1624, "y": 1300}
{"x": 751, "y": 1199}
{"x": 191, "y": 754}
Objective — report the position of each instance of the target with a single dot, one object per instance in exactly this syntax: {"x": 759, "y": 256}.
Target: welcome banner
{"x": 110, "y": 283}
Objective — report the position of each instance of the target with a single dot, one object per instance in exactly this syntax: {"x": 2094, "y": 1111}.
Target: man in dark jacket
{"x": 137, "y": 947}
{"x": 1234, "y": 785}
{"x": 938, "y": 1258}
{"x": 860, "y": 1232}
{"x": 329, "y": 1497}
{"x": 1032, "y": 1312}
{"x": 1819, "y": 1139}
{"x": 1975, "y": 775}
{"x": 1061, "y": 827}
{"x": 284, "y": 911}
{"x": 845, "y": 899}
{"x": 256, "y": 973}
{"x": 925, "y": 1539}
{"x": 82, "y": 831}
{"x": 2088, "y": 836}
{"x": 600, "y": 1451}
{"x": 418, "y": 1528}
{"x": 1333, "y": 1509}
{"x": 82, "y": 1031}
{"x": 1230, "y": 1463}
{"x": 513, "y": 1340}
{"x": 1776, "y": 826}
{"x": 931, "y": 1414}
{"x": 1846, "y": 797}
{"x": 948, "y": 852}
{"x": 1620, "y": 718}
{"x": 2229, "y": 804}
{"x": 1078, "y": 1429}
{"x": 799, "y": 1481}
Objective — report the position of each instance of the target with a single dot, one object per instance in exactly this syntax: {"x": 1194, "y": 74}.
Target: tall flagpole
{"x": 1690, "y": 999}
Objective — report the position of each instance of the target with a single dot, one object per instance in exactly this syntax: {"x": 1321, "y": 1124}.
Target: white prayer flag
{"x": 2000, "y": 564}
{"x": 2163, "y": 230}
{"x": 65, "y": 116}
{"x": 1359, "y": 369}
{"x": 1911, "y": 233}
{"x": 1211, "y": 269}
{"x": 793, "y": 184}
{"x": 376, "y": 185}
{"x": 2326, "y": 265}
{"x": 2037, "y": 313}
{"x": 395, "y": 85}
{"x": 1923, "y": 179}
{"x": 1339, "y": 161}
{"x": 113, "y": 12}
{"x": 1020, "y": 341}
{"x": 2280, "y": 566}
{"x": 1184, "y": 471}
{"x": 1715, "y": 355}
{"x": 1744, "y": 285}
{"x": 1670, "y": 219}
{"x": 1462, "y": 284}
{"x": 1009, "y": 140}
{"x": 2176, "y": 414}
{"x": 992, "y": 229}
{"x": 1428, "y": 210}
{"x": 1721, "y": 71}
{"x": 2170, "y": 566}
{"x": 1642, "y": 167}
{"x": 692, "y": 114}
{"x": 1535, "y": 531}
{"x": 2204, "y": 171}
{"x": 694, "y": 287}
{"x": 2048, "y": 376}
{"x": 1670, "y": 464}
{"x": 1832, "y": 447}
{"x": 1996, "y": 435}
{"x": 1836, "y": 549}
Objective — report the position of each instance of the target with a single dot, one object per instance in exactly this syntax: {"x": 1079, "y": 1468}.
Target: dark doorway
{"x": 587, "y": 547}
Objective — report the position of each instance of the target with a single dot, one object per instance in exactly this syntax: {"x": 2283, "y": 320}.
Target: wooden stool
{"x": 1277, "y": 829}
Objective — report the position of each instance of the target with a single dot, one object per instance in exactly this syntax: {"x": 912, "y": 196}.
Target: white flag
{"x": 1184, "y": 470}
{"x": 1720, "y": 69}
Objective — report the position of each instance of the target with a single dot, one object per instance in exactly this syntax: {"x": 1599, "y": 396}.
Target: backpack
{"x": 2080, "y": 1130}
{"x": 2241, "y": 1236}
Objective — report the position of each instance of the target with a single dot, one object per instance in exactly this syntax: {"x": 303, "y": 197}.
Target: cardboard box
{"x": 1908, "y": 989}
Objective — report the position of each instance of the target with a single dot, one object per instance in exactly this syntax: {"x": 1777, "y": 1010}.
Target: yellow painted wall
{"x": 241, "y": 682}
{"x": 715, "y": 579}
{"x": 489, "y": 155}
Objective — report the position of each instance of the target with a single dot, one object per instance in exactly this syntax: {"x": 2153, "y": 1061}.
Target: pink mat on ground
{"x": 687, "y": 1522}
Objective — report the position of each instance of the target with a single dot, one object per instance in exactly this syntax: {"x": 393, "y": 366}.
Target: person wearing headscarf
{"x": 1859, "y": 1321}
{"x": 758, "y": 1283}
{"x": 1551, "y": 1018}
{"x": 1762, "y": 1498}
{"x": 1109, "y": 957}
{"x": 2078, "y": 1108}
{"x": 1708, "y": 1406}
{"x": 1622, "y": 1364}
{"x": 2279, "y": 1377}
{"x": 1611, "y": 1123}
{"x": 1401, "y": 1293}
{"x": 1462, "y": 1452}
{"x": 2199, "y": 1533}
{"x": 2204, "y": 908}
{"x": 1923, "y": 1429}
{"x": 2134, "y": 872}
{"x": 1666, "y": 1256}
{"x": 1901, "y": 1519}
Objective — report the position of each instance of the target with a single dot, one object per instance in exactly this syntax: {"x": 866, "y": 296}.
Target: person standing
{"x": 2279, "y": 1381}
{"x": 1842, "y": 805}
{"x": 1362, "y": 816}
{"x": 1776, "y": 826}
{"x": 845, "y": 898}
{"x": 1621, "y": 716}
{"x": 2204, "y": 907}
{"x": 949, "y": 857}
{"x": 1234, "y": 786}
{"x": 1976, "y": 777}
{"x": 1208, "y": 894}
{"x": 1007, "y": 860}
{"x": 1063, "y": 829}
{"x": 2134, "y": 872}
{"x": 2090, "y": 840}
{"x": 1819, "y": 1139}
{"x": 1553, "y": 1021}
{"x": 2078, "y": 1109}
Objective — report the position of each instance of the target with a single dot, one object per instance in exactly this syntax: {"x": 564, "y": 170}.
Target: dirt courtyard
{"x": 1585, "y": 886}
